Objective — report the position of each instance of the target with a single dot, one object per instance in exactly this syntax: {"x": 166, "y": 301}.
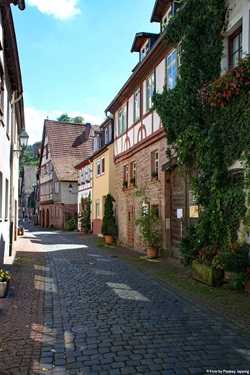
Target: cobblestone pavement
{"x": 74, "y": 308}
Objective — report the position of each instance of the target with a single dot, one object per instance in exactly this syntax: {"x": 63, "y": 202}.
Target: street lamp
{"x": 70, "y": 188}
{"x": 23, "y": 140}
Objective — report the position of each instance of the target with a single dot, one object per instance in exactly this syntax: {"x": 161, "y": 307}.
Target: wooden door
{"x": 176, "y": 210}
{"x": 130, "y": 225}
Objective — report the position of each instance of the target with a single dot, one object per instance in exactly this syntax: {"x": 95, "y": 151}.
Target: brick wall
{"x": 126, "y": 200}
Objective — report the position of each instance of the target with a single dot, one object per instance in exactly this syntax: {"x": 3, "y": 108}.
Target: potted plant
{"x": 150, "y": 230}
{"x": 154, "y": 175}
{"x": 4, "y": 283}
{"x": 132, "y": 181}
{"x": 109, "y": 226}
{"x": 124, "y": 184}
{"x": 204, "y": 269}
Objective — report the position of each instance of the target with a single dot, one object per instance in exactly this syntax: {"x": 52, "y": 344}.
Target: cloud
{"x": 59, "y": 9}
{"x": 34, "y": 120}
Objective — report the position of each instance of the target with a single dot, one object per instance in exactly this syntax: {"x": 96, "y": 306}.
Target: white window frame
{"x": 137, "y": 104}
{"x": 1, "y": 196}
{"x": 144, "y": 50}
{"x": 171, "y": 69}
{"x": 103, "y": 165}
{"x": 97, "y": 209}
{"x": 150, "y": 87}
{"x": 98, "y": 167}
{"x": 122, "y": 119}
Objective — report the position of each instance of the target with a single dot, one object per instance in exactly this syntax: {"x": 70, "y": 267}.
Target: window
{"x": 1, "y": 196}
{"x": 137, "y": 104}
{"x": 144, "y": 51}
{"x": 88, "y": 173}
{"x": 1, "y": 89}
{"x": 150, "y": 90}
{"x": 56, "y": 187}
{"x": 235, "y": 47}
{"x": 125, "y": 173}
{"x": 97, "y": 209}
{"x": 6, "y": 199}
{"x": 102, "y": 165}
{"x": 106, "y": 136}
{"x": 237, "y": 177}
{"x": 122, "y": 120}
{"x": 171, "y": 70}
{"x": 155, "y": 164}
{"x": 97, "y": 143}
{"x": 98, "y": 167}
{"x": 133, "y": 169}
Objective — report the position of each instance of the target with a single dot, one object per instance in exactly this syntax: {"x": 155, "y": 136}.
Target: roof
{"x": 12, "y": 62}
{"x": 69, "y": 144}
{"x": 160, "y": 8}
{"x": 140, "y": 39}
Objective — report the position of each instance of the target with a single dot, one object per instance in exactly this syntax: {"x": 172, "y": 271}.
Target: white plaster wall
{"x": 239, "y": 12}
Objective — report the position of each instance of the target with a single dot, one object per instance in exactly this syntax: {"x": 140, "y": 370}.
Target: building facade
{"x": 11, "y": 124}
{"x": 141, "y": 165}
{"x": 64, "y": 145}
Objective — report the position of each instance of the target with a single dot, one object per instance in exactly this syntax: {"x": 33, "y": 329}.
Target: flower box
{"x": 207, "y": 274}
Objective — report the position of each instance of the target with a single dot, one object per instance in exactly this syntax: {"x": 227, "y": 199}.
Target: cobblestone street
{"x": 74, "y": 308}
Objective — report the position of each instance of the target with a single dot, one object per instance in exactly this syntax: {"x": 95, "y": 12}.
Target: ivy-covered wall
{"x": 206, "y": 119}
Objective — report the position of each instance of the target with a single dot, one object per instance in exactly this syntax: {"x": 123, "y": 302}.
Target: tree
{"x": 109, "y": 226}
{"x": 85, "y": 216}
{"x": 76, "y": 120}
{"x": 64, "y": 117}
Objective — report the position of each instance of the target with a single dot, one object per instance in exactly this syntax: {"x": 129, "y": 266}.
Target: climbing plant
{"x": 206, "y": 119}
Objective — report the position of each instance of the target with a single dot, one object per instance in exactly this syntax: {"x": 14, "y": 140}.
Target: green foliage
{"x": 70, "y": 225}
{"x": 233, "y": 258}
{"x": 85, "y": 216}
{"x": 148, "y": 222}
{"x": 189, "y": 246}
{"x": 238, "y": 281}
{"x": 29, "y": 157}
{"x": 76, "y": 120}
{"x": 109, "y": 226}
{"x": 206, "y": 119}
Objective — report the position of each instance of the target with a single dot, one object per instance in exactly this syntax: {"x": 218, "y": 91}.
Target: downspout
{"x": 12, "y": 190}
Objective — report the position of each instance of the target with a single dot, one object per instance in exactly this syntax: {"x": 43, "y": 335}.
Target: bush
{"x": 70, "y": 225}
{"x": 234, "y": 258}
{"x": 189, "y": 246}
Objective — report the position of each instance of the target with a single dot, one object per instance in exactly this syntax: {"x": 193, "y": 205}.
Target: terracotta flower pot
{"x": 109, "y": 238}
{"x": 152, "y": 252}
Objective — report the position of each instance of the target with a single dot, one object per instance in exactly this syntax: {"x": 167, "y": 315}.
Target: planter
{"x": 152, "y": 252}
{"x": 229, "y": 275}
{"x": 207, "y": 274}
{"x": 247, "y": 286}
{"x": 109, "y": 238}
{"x": 4, "y": 288}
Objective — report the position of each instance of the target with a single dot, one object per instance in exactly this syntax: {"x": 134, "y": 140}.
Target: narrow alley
{"x": 73, "y": 308}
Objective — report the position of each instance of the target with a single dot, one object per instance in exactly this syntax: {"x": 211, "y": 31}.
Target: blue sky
{"x": 75, "y": 55}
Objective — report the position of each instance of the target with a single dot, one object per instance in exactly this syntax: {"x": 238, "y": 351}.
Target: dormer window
{"x": 97, "y": 143}
{"x": 144, "y": 51}
{"x": 165, "y": 19}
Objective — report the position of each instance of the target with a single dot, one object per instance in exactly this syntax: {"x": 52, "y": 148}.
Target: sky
{"x": 75, "y": 55}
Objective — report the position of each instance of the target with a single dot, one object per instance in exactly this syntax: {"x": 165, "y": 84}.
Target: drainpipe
{"x": 12, "y": 216}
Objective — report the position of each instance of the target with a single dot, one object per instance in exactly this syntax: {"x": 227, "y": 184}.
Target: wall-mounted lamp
{"x": 23, "y": 140}
{"x": 71, "y": 189}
